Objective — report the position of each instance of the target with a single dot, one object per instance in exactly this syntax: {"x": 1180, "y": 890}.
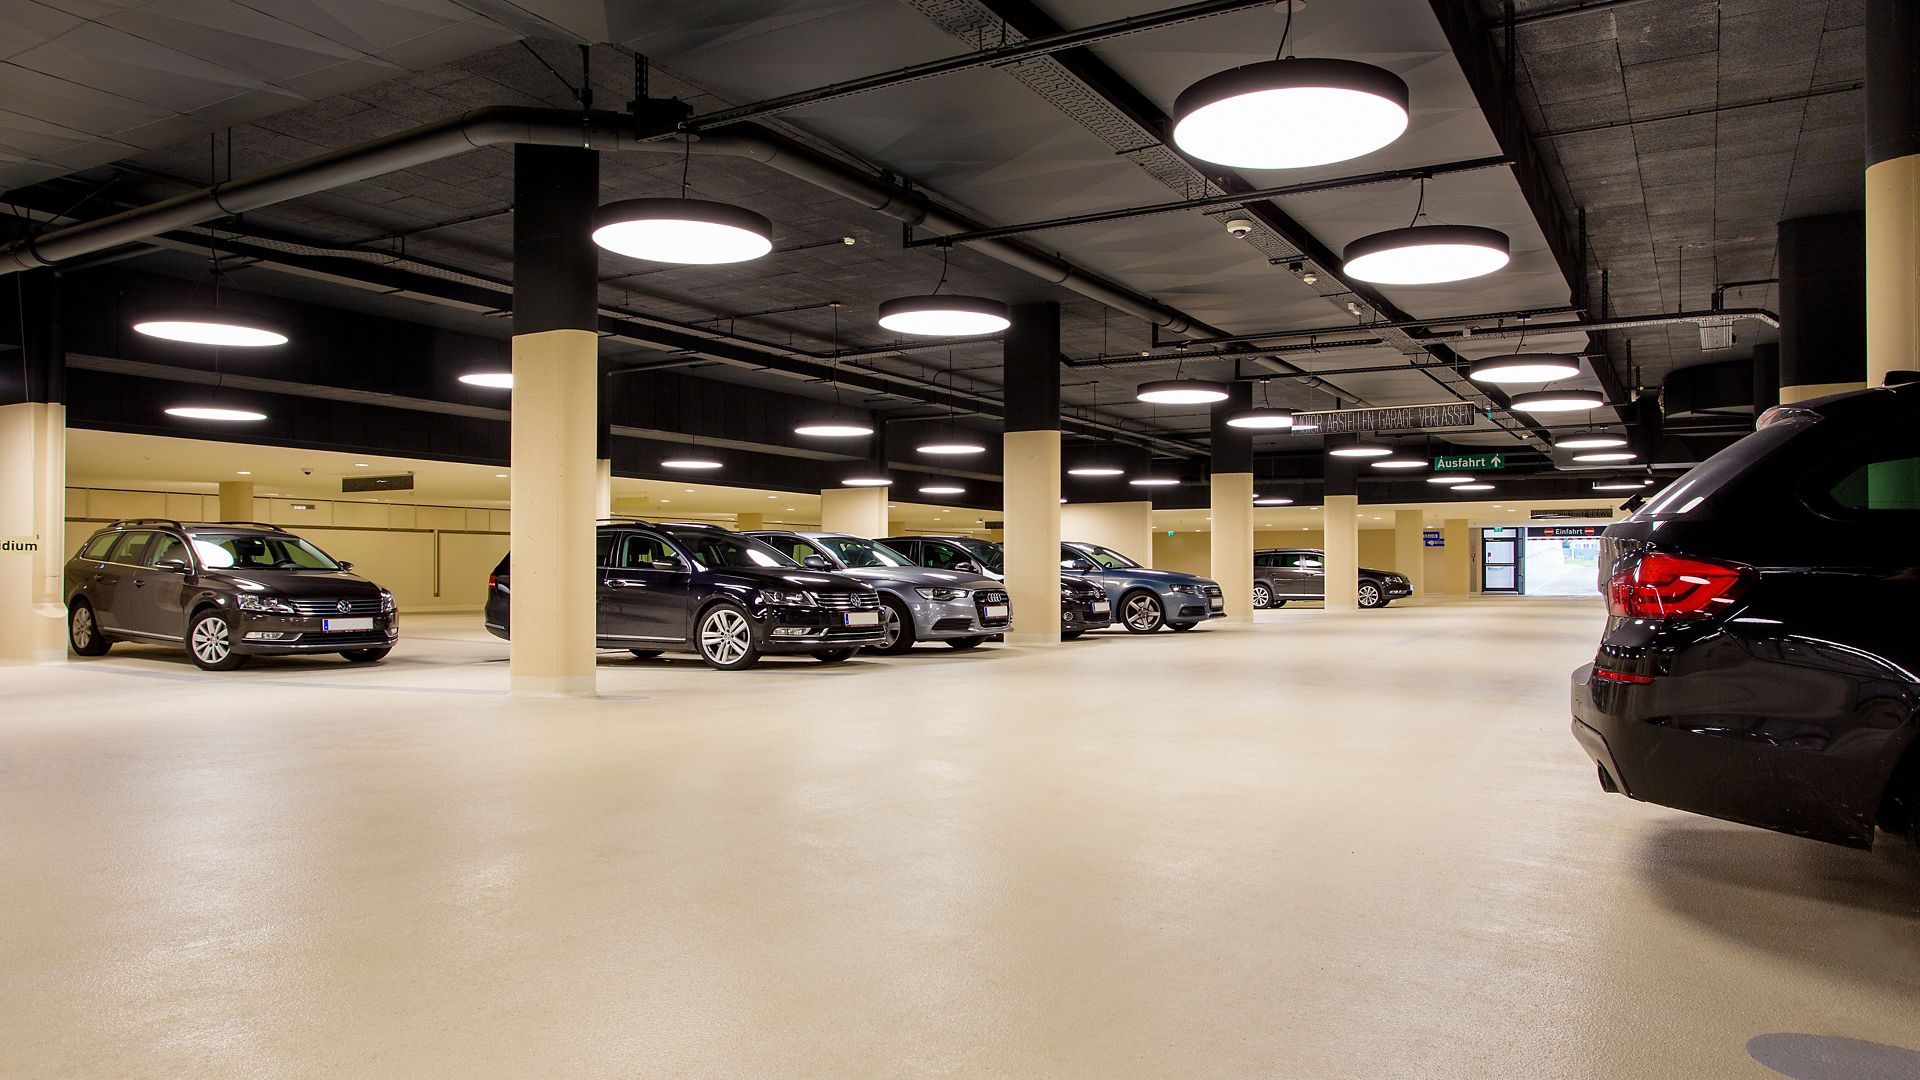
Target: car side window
{"x": 97, "y": 548}
{"x": 132, "y": 548}
{"x": 792, "y": 547}
{"x": 941, "y": 556}
{"x": 603, "y": 549}
{"x": 1885, "y": 484}
{"x": 1307, "y": 562}
{"x": 639, "y": 551}
{"x": 1267, "y": 562}
{"x": 166, "y": 546}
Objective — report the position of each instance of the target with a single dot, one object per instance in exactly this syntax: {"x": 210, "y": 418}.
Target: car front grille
{"x": 989, "y": 596}
{"x": 1212, "y": 590}
{"x": 950, "y": 625}
{"x": 848, "y": 601}
{"x": 332, "y": 607}
{"x": 985, "y": 598}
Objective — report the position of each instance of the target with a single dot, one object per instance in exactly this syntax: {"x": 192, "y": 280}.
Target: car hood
{"x": 1378, "y": 573}
{"x": 1171, "y": 577}
{"x": 298, "y": 584}
{"x": 792, "y": 577}
{"x": 920, "y": 576}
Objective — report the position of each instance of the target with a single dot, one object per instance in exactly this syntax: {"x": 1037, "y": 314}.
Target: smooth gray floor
{"x": 1330, "y": 845}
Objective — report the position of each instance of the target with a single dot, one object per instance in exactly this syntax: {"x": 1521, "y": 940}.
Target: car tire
{"x": 366, "y": 656}
{"x": 83, "y": 633}
{"x": 646, "y": 654}
{"x": 210, "y": 642}
{"x": 964, "y": 643}
{"x": 1142, "y": 613}
{"x": 724, "y": 637}
{"x": 1181, "y": 627}
{"x": 1262, "y": 596}
{"x": 834, "y": 656}
{"x": 1278, "y": 604}
{"x": 1372, "y": 595}
{"x": 897, "y": 621}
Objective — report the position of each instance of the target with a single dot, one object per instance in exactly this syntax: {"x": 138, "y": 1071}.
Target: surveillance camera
{"x": 1239, "y": 226}
{"x": 306, "y": 472}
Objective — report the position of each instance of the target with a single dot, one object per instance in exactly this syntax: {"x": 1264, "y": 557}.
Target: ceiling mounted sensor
{"x": 694, "y": 462}
{"x": 1181, "y": 392}
{"x": 944, "y": 315}
{"x": 1290, "y": 113}
{"x": 215, "y": 326}
{"x": 1524, "y": 368}
{"x": 943, "y": 488}
{"x": 1589, "y": 440}
{"x": 1453, "y": 479}
{"x": 1605, "y": 455}
{"x": 211, "y": 412}
{"x": 1399, "y": 461}
{"x": 1553, "y": 401}
{"x": 692, "y": 232}
{"x": 1262, "y": 419}
{"x": 492, "y": 380}
{"x": 1360, "y": 450}
{"x": 1426, "y": 254}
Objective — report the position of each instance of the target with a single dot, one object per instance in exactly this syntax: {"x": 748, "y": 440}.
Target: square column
{"x": 1892, "y": 190}
{"x": 1031, "y": 468}
{"x": 1410, "y": 549}
{"x": 861, "y": 511}
{"x": 1231, "y": 491}
{"x": 1457, "y": 535}
{"x": 1341, "y": 528}
{"x": 746, "y": 522}
{"x": 236, "y": 500}
{"x": 33, "y": 532}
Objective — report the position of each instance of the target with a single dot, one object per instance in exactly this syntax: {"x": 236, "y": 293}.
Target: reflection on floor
{"x": 1337, "y": 844}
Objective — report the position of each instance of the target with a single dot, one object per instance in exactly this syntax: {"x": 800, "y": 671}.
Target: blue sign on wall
{"x": 1432, "y": 538}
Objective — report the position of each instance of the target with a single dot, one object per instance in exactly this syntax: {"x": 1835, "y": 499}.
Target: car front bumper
{"x": 805, "y": 630}
{"x": 1187, "y": 607}
{"x": 940, "y": 620}
{"x": 1085, "y": 613}
{"x": 266, "y": 634}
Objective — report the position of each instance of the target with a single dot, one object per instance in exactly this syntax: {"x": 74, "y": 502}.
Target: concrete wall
{"x": 433, "y": 558}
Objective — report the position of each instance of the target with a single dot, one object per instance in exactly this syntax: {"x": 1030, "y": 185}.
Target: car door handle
{"x": 139, "y": 583}
{"x": 625, "y": 583}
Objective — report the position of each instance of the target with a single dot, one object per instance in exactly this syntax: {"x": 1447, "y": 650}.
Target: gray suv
{"x": 916, "y": 603}
{"x": 1145, "y": 600}
{"x": 1283, "y": 574}
{"x": 227, "y": 592}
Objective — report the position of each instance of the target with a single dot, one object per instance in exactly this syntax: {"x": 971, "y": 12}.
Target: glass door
{"x": 1499, "y": 561}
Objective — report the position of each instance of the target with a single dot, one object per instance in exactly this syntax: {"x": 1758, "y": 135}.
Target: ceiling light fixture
{"x": 1552, "y": 401}
{"x": 1589, "y": 440}
{"x": 208, "y": 412}
{"x": 1450, "y": 478}
{"x": 1154, "y": 481}
{"x": 1181, "y": 392}
{"x": 868, "y": 479}
{"x": 936, "y": 315}
{"x": 1399, "y": 461}
{"x": 1426, "y": 254}
{"x": 211, "y": 326}
{"x": 834, "y": 430}
{"x": 491, "y": 380}
{"x": 692, "y": 232}
{"x": 952, "y": 447}
{"x": 1620, "y": 485}
{"x": 1606, "y": 455}
{"x": 690, "y": 463}
{"x": 1095, "y": 470}
{"x": 1272, "y": 500}
{"x": 1474, "y": 487}
{"x": 942, "y": 489}
{"x": 1290, "y": 113}
{"x": 1524, "y": 368}
{"x": 1262, "y": 419}
{"x": 1360, "y": 450}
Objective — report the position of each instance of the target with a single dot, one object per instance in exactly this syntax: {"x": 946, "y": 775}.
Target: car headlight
{"x": 1190, "y": 590}
{"x": 271, "y": 604}
{"x": 386, "y": 601}
{"x": 785, "y": 598}
{"x": 940, "y": 592}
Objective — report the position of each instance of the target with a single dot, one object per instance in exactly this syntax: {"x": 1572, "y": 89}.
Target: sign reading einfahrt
{"x": 1456, "y": 414}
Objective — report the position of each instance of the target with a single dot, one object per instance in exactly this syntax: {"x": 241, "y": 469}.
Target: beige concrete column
{"x": 1032, "y": 504}
{"x": 1126, "y": 527}
{"x": 1893, "y": 267}
{"x": 1233, "y": 543}
{"x": 1341, "y": 541}
{"x": 861, "y": 511}
{"x": 33, "y": 540}
{"x": 236, "y": 500}
{"x": 555, "y": 490}
{"x": 744, "y": 522}
{"x": 1457, "y": 535}
{"x": 603, "y": 488}
{"x": 1410, "y": 548}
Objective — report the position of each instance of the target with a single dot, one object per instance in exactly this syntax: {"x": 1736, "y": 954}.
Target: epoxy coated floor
{"x": 1332, "y": 845}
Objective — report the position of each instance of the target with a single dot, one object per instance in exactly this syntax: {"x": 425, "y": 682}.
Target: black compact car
{"x": 699, "y": 588}
{"x": 227, "y": 591}
{"x": 1760, "y": 660}
{"x": 1083, "y": 604}
{"x": 1283, "y": 574}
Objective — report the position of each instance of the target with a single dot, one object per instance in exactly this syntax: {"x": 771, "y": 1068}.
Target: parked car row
{"x": 1283, "y": 574}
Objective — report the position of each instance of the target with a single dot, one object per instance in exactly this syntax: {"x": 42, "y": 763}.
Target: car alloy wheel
{"x": 896, "y": 624}
{"x": 84, "y": 633}
{"x": 1262, "y": 597}
{"x": 210, "y": 643}
{"x": 1142, "y": 613}
{"x": 1370, "y": 595}
{"x": 726, "y": 638}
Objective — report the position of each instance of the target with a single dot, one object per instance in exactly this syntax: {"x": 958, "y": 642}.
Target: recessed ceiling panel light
{"x": 941, "y": 315}
{"x": 1181, "y": 392}
{"x": 692, "y": 232}
{"x": 1553, "y": 401}
{"x": 1262, "y": 419}
{"x": 1524, "y": 368}
{"x": 1426, "y": 254}
{"x": 211, "y": 326}
{"x": 209, "y": 412}
{"x": 492, "y": 380}
{"x": 1290, "y": 114}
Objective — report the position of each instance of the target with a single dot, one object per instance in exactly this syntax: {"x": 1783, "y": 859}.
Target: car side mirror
{"x": 345, "y": 566}
{"x": 177, "y": 566}
{"x": 671, "y": 566}
{"x": 816, "y": 562}
{"x": 970, "y": 567}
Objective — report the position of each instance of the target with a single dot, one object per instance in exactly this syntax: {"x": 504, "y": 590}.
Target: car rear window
{"x": 1699, "y": 484}
{"x": 97, "y": 547}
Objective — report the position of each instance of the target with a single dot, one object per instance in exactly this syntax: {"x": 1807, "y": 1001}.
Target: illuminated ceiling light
{"x": 1400, "y": 461}
{"x": 209, "y": 412}
{"x": 1552, "y": 401}
{"x": 944, "y": 315}
{"x": 211, "y": 326}
{"x": 1181, "y": 392}
{"x": 1262, "y": 419}
{"x": 1524, "y": 368}
{"x": 1589, "y": 440}
{"x": 1453, "y": 478}
{"x": 1606, "y": 455}
{"x": 868, "y": 479}
{"x": 1426, "y": 254}
{"x": 1272, "y": 500}
{"x": 243, "y": 472}
{"x": 1290, "y": 114}
{"x": 1095, "y": 470}
{"x": 837, "y": 429}
{"x": 1361, "y": 450}
{"x": 1154, "y": 481}
{"x": 1474, "y": 487}
{"x": 690, "y": 462}
{"x": 492, "y": 380}
{"x": 942, "y": 489}
{"x": 687, "y": 231}
{"x": 1620, "y": 485}
{"x": 952, "y": 446}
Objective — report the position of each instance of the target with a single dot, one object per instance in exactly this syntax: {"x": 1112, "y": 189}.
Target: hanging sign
{"x": 1454, "y": 414}
{"x": 1469, "y": 462}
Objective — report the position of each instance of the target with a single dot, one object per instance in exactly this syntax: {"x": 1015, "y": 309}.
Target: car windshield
{"x": 857, "y": 552}
{"x": 728, "y": 549}
{"x": 991, "y": 555}
{"x": 257, "y": 551}
{"x": 1106, "y": 558}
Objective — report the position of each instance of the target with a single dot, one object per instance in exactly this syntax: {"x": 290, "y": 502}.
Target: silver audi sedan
{"x": 916, "y": 603}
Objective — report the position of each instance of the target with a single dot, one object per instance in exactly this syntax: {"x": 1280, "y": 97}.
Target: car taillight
{"x": 1610, "y": 675}
{"x": 1662, "y": 587}
{"x": 493, "y": 580}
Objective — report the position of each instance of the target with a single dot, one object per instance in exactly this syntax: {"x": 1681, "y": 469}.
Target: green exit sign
{"x": 1468, "y": 462}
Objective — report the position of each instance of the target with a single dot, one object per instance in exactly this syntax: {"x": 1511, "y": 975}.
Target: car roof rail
{"x": 692, "y": 525}
{"x": 125, "y": 523}
{"x": 624, "y": 521}
{"x": 249, "y": 524}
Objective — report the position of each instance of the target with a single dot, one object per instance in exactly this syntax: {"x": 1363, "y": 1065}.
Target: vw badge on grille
{"x": 343, "y": 607}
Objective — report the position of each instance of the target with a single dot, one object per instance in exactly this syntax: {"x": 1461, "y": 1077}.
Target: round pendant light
{"x": 1181, "y": 392}
{"x": 1524, "y": 368}
{"x": 1096, "y": 470}
{"x": 1621, "y": 485}
{"x": 1553, "y": 401}
{"x": 211, "y": 326}
{"x": 952, "y": 446}
{"x": 1399, "y": 461}
{"x": 942, "y": 488}
{"x": 1589, "y": 440}
{"x": 1262, "y": 419}
{"x": 1272, "y": 500}
{"x": 690, "y": 462}
{"x": 1290, "y": 114}
{"x": 1360, "y": 450}
{"x": 943, "y": 315}
{"x": 834, "y": 429}
{"x": 1154, "y": 481}
{"x": 1473, "y": 487}
{"x": 1605, "y": 455}
{"x": 1450, "y": 479}
{"x": 492, "y": 380}
{"x": 1426, "y": 254}
{"x": 867, "y": 479}
{"x": 210, "y": 412}
{"x": 692, "y": 232}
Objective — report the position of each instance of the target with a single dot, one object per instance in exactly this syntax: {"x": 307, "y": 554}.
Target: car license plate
{"x": 346, "y": 624}
{"x": 1215, "y": 602}
{"x": 1100, "y": 607}
{"x": 994, "y": 611}
{"x": 863, "y": 618}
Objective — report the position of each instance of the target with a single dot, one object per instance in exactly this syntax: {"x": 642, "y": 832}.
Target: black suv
{"x": 1283, "y": 574}
{"x": 1083, "y": 604}
{"x": 703, "y": 589}
{"x": 1759, "y": 657}
{"x": 228, "y": 591}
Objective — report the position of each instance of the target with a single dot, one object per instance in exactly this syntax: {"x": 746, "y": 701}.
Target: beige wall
{"x": 433, "y": 558}
{"x": 1126, "y": 527}
{"x": 1192, "y": 552}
